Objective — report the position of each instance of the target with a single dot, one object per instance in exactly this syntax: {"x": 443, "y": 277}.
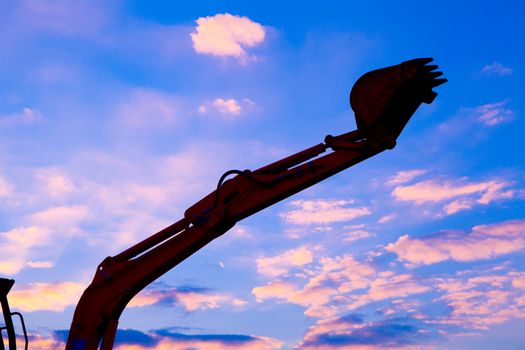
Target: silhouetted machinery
{"x": 5, "y": 287}
{"x": 383, "y": 101}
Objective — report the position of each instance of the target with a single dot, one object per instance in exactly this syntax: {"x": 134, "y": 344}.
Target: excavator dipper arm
{"x": 118, "y": 279}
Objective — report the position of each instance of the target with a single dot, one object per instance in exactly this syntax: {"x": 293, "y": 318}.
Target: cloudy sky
{"x": 117, "y": 116}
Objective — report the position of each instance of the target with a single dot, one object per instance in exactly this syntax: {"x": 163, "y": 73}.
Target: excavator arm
{"x": 383, "y": 102}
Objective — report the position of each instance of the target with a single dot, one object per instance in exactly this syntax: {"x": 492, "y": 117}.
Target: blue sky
{"x": 117, "y": 116}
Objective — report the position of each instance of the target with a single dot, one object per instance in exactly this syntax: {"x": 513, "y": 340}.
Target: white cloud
{"x": 26, "y": 117}
{"x": 496, "y": 69}
{"x": 226, "y": 35}
{"x": 322, "y": 212}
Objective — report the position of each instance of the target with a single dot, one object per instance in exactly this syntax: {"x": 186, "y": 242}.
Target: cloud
{"x": 165, "y": 339}
{"x": 61, "y": 216}
{"x": 386, "y": 218}
{"x": 274, "y": 290}
{"x": 282, "y": 263}
{"x": 496, "y": 69}
{"x": 482, "y": 242}
{"x": 40, "y": 264}
{"x": 492, "y": 114}
{"x": 6, "y": 188}
{"x": 55, "y": 183}
{"x": 357, "y": 234}
{"x": 326, "y": 288}
{"x": 405, "y": 176}
{"x": 388, "y": 286}
{"x": 479, "y": 302}
{"x": 229, "y": 107}
{"x": 192, "y": 299}
{"x": 226, "y": 35}
{"x": 16, "y": 245}
{"x": 460, "y": 194}
{"x": 35, "y": 244}
{"x": 62, "y": 17}
{"x": 322, "y": 212}
{"x": 27, "y": 116}
{"x": 45, "y": 296}
{"x": 150, "y": 109}
{"x": 352, "y": 333}
{"x": 169, "y": 340}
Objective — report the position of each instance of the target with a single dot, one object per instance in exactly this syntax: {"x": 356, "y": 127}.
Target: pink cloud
{"x": 357, "y": 234}
{"x": 27, "y": 116}
{"x": 16, "y": 246}
{"x": 482, "y": 242}
{"x": 405, "y": 176}
{"x": 282, "y": 263}
{"x": 6, "y": 188}
{"x": 388, "y": 286}
{"x": 62, "y": 17}
{"x": 40, "y": 342}
{"x": 55, "y": 183}
{"x": 45, "y": 296}
{"x": 165, "y": 343}
{"x": 229, "y": 108}
{"x": 322, "y": 212}
{"x": 482, "y": 301}
{"x": 387, "y": 218}
{"x": 226, "y": 35}
{"x": 191, "y": 300}
{"x": 61, "y": 216}
{"x": 492, "y": 114}
{"x": 149, "y": 109}
{"x": 274, "y": 290}
{"x": 326, "y": 282}
{"x": 461, "y": 195}
{"x": 355, "y": 334}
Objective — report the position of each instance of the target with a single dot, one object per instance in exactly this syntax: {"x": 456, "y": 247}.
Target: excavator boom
{"x": 383, "y": 101}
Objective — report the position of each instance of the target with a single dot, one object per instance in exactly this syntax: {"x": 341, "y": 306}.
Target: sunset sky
{"x": 116, "y": 116}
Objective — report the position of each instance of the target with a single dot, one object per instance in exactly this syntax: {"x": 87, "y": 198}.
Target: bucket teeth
{"x": 434, "y": 75}
{"x": 437, "y": 82}
{"x": 430, "y": 68}
{"x": 419, "y": 61}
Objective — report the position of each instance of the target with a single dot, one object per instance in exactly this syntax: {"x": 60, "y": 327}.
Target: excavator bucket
{"x": 383, "y": 100}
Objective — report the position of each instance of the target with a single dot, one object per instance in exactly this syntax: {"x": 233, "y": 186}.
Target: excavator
{"x": 383, "y": 101}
